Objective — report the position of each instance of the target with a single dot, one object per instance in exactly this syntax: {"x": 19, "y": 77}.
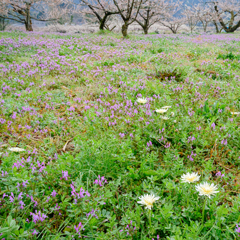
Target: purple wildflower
{"x": 78, "y": 228}
{"x": 54, "y": 193}
{"x": 238, "y": 228}
{"x": 100, "y": 181}
{"x": 38, "y": 216}
{"x": 65, "y": 175}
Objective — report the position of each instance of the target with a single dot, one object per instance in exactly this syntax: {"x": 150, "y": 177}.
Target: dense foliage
{"x": 81, "y": 140}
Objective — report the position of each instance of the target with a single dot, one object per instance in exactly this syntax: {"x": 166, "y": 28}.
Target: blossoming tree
{"x": 24, "y": 11}
{"x": 204, "y": 15}
{"x": 151, "y": 12}
{"x": 191, "y": 17}
{"x": 228, "y": 14}
{"x": 99, "y": 10}
{"x": 128, "y": 10}
{"x": 173, "y": 19}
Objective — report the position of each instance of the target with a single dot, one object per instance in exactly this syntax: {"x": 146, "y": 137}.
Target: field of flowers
{"x": 110, "y": 138}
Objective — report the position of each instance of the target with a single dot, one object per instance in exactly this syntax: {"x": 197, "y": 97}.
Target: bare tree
{"x": 24, "y": 11}
{"x": 97, "y": 10}
{"x": 151, "y": 12}
{"x": 128, "y": 10}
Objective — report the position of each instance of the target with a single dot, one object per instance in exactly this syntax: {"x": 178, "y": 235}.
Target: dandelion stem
{"x": 190, "y": 190}
{"x": 204, "y": 205}
{"x": 150, "y": 219}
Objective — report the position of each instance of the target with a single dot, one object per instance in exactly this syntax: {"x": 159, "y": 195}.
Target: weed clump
{"x": 229, "y": 56}
{"x": 169, "y": 75}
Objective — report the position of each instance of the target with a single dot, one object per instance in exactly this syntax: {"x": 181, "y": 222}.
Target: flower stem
{"x": 190, "y": 190}
{"x": 150, "y": 220}
{"x": 204, "y": 205}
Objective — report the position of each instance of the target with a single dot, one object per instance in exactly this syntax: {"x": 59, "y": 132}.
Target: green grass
{"x": 71, "y": 103}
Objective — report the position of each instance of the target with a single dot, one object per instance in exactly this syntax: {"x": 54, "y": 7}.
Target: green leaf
{"x": 150, "y": 173}
{"x": 222, "y": 210}
{"x": 4, "y": 230}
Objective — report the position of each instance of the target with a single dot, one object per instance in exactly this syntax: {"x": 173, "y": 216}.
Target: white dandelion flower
{"x": 190, "y": 177}
{"x": 161, "y": 110}
{"x": 16, "y": 149}
{"x": 235, "y": 113}
{"x": 148, "y": 200}
{"x": 206, "y": 189}
{"x": 142, "y": 100}
{"x": 164, "y": 118}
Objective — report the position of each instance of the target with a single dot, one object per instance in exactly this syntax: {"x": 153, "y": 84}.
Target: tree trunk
{"x": 125, "y": 29}
{"x": 103, "y": 22}
{"x": 28, "y": 22}
{"x": 231, "y": 20}
{"x": 28, "y": 26}
{"x": 145, "y": 30}
{"x": 205, "y": 27}
{"x": 3, "y": 23}
{"x": 216, "y": 26}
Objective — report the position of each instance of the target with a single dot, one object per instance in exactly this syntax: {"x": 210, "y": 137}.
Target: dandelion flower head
{"x": 164, "y": 118}
{"x": 190, "y": 177}
{"x": 142, "y": 100}
{"x": 148, "y": 200}
{"x": 161, "y": 110}
{"x": 206, "y": 189}
{"x": 16, "y": 149}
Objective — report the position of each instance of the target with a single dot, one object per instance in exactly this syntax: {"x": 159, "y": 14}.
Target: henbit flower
{"x": 190, "y": 177}
{"x": 142, "y": 100}
{"x": 219, "y": 174}
{"x": 100, "y": 181}
{"x": 65, "y": 175}
{"x": 166, "y": 107}
{"x": 161, "y": 110}
{"x": 54, "y": 193}
{"x": 34, "y": 232}
{"x": 237, "y": 228}
{"x": 235, "y": 113}
{"x": 148, "y": 200}
{"x": 16, "y": 149}
{"x": 206, "y": 189}
{"x": 213, "y": 125}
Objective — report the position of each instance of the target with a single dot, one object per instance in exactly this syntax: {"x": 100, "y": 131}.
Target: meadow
{"x": 109, "y": 138}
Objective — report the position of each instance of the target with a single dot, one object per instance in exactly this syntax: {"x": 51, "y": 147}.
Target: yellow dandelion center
{"x": 148, "y": 202}
{"x": 191, "y": 179}
{"x": 207, "y": 190}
